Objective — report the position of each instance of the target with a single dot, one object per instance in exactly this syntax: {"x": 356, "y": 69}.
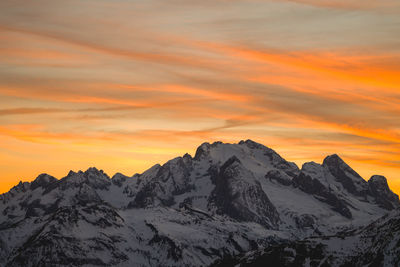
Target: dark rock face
{"x": 118, "y": 179}
{"x": 86, "y": 194}
{"x": 345, "y": 175}
{"x": 280, "y": 177}
{"x": 378, "y": 187}
{"x": 173, "y": 178}
{"x": 236, "y": 190}
{"x": 34, "y": 208}
{"x": 148, "y": 196}
{"x": 165, "y": 243}
{"x": 202, "y": 151}
{"x": 43, "y": 181}
{"x": 314, "y": 187}
{"x": 305, "y": 221}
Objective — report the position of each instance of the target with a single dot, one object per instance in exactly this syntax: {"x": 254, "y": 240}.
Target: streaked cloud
{"x": 123, "y": 85}
{"x": 352, "y": 4}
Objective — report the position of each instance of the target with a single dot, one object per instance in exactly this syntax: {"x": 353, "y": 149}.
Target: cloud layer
{"x": 123, "y": 85}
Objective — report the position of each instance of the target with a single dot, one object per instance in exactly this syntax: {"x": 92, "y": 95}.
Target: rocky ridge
{"x": 227, "y": 202}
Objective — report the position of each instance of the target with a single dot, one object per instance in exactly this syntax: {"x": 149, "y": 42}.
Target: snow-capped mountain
{"x": 229, "y": 203}
{"x": 377, "y": 244}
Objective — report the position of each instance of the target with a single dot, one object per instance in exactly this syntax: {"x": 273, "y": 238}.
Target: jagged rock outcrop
{"x": 237, "y": 194}
{"x": 379, "y": 189}
{"x": 43, "y": 180}
{"x": 314, "y": 187}
{"x": 338, "y": 185}
{"x": 346, "y": 176}
{"x": 173, "y": 178}
{"x": 280, "y": 177}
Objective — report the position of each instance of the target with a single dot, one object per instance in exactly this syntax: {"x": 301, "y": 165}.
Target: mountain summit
{"x": 226, "y": 202}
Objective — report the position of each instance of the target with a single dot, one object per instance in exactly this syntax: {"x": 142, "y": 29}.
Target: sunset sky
{"x": 125, "y": 84}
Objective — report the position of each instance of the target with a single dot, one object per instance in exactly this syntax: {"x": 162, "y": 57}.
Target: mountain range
{"x": 230, "y": 205}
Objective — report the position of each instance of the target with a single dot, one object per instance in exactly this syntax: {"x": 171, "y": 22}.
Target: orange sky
{"x": 125, "y": 84}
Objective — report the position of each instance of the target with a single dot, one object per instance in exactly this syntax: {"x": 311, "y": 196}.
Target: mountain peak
{"x": 71, "y": 173}
{"x": 248, "y": 141}
{"x": 44, "y": 177}
{"x": 379, "y": 188}
{"x": 378, "y": 179}
{"x": 254, "y": 145}
{"x": 333, "y": 160}
{"x": 42, "y": 181}
{"x": 202, "y": 150}
{"x": 92, "y": 176}
{"x": 94, "y": 170}
{"x": 251, "y": 144}
{"x": 345, "y": 175}
{"x": 205, "y": 148}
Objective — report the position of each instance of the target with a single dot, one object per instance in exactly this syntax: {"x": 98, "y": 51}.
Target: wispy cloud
{"x": 352, "y": 5}
{"x": 19, "y": 111}
{"x": 135, "y": 83}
